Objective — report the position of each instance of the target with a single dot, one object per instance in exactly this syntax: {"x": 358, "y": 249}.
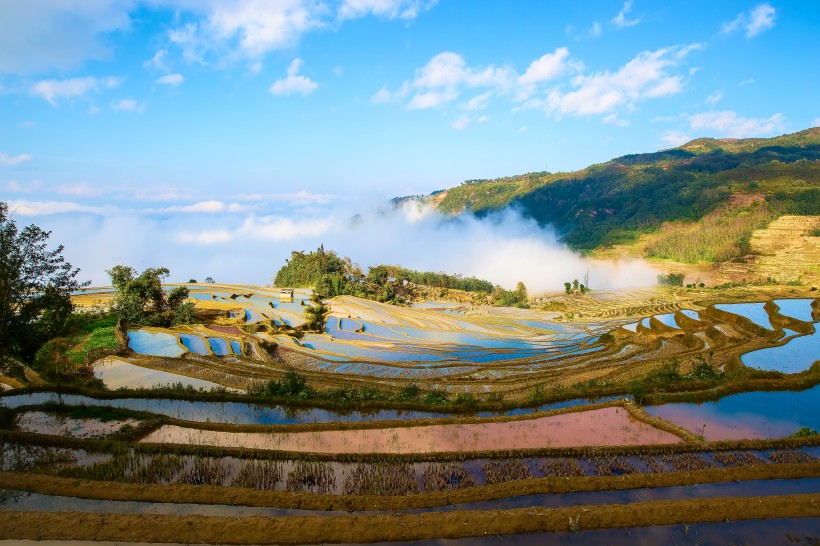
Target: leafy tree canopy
{"x": 141, "y": 298}
{"x": 35, "y": 288}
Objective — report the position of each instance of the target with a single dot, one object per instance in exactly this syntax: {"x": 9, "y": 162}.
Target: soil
{"x": 373, "y": 528}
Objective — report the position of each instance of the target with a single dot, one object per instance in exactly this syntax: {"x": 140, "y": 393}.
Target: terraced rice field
{"x": 245, "y": 472}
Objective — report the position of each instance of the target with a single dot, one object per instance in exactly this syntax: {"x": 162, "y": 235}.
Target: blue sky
{"x": 211, "y": 122}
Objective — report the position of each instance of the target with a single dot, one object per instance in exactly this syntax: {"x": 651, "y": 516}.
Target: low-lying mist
{"x": 249, "y": 247}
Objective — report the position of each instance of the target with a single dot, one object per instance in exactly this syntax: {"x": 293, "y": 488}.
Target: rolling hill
{"x": 701, "y": 201}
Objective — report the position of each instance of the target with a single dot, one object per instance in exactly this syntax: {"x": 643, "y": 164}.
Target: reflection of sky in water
{"x": 236, "y": 347}
{"x": 668, "y": 319}
{"x": 631, "y": 327}
{"x": 799, "y": 309}
{"x": 243, "y": 413}
{"x": 146, "y": 342}
{"x": 691, "y": 314}
{"x": 219, "y": 346}
{"x": 195, "y": 344}
{"x": 797, "y": 355}
{"x": 119, "y": 373}
{"x": 752, "y": 311}
{"x": 747, "y": 415}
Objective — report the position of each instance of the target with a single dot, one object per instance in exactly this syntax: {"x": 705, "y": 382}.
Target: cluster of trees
{"x": 511, "y": 298}
{"x": 141, "y": 298}
{"x": 576, "y": 286}
{"x": 333, "y": 275}
{"x": 35, "y": 289}
{"x": 671, "y": 279}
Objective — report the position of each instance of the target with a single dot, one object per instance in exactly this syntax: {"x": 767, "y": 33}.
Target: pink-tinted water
{"x": 601, "y": 427}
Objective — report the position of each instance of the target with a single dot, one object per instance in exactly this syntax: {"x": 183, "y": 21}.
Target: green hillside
{"x": 617, "y": 201}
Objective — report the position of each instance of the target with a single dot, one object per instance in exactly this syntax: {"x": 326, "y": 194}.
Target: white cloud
{"x": 714, "y": 98}
{"x": 729, "y": 124}
{"x": 479, "y": 102}
{"x": 45, "y": 208}
{"x": 54, "y": 34}
{"x": 673, "y": 139}
{"x": 171, "y": 79}
{"x": 816, "y": 122}
{"x": 298, "y": 198}
{"x": 381, "y": 96}
{"x": 646, "y": 76}
{"x": 620, "y": 20}
{"x": 206, "y": 207}
{"x": 392, "y": 9}
{"x": 613, "y": 119}
{"x": 294, "y": 83}
{"x": 15, "y": 186}
{"x": 522, "y": 129}
{"x": 595, "y": 30}
{"x": 78, "y": 190}
{"x": 461, "y": 123}
{"x": 9, "y": 160}
{"x": 443, "y": 79}
{"x": 157, "y": 62}
{"x": 761, "y": 19}
{"x": 266, "y": 228}
{"x": 548, "y": 67}
{"x": 757, "y": 20}
{"x": 431, "y": 99}
{"x": 338, "y": 70}
{"x": 52, "y": 90}
{"x": 128, "y": 105}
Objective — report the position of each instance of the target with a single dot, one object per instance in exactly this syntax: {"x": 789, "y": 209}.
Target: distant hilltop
{"x": 728, "y": 186}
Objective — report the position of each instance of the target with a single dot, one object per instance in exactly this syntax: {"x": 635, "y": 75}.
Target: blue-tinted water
{"x": 747, "y": 415}
{"x": 194, "y": 343}
{"x": 797, "y": 355}
{"x": 752, "y": 311}
{"x": 245, "y": 413}
{"x": 146, "y": 342}
{"x": 798, "y": 309}
{"x": 219, "y": 346}
{"x": 236, "y": 347}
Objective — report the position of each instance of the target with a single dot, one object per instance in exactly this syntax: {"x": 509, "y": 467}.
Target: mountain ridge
{"x": 617, "y": 201}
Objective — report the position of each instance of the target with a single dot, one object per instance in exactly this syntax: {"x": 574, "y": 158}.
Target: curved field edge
{"x": 373, "y": 528}
{"x": 699, "y": 392}
{"x": 114, "y": 446}
{"x": 236, "y": 496}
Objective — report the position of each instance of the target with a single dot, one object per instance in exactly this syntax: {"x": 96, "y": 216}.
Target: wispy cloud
{"x": 673, "y": 139}
{"x": 294, "y": 83}
{"x": 391, "y": 9}
{"x": 45, "y": 208}
{"x": 649, "y": 75}
{"x": 757, "y": 20}
{"x": 128, "y": 105}
{"x": 9, "y": 160}
{"x": 81, "y": 189}
{"x": 621, "y": 20}
{"x": 52, "y": 90}
{"x": 171, "y": 79}
{"x": 714, "y": 98}
{"x": 728, "y": 123}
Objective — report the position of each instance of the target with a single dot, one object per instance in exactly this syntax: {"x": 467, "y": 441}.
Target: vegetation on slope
{"x": 332, "y": 275}
{"x": 617, "y": 201}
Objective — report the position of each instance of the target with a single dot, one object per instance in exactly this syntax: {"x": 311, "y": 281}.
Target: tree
{"x": 35, "y": 288}
{"x": 192, "y": 281}
{"x": 575, "y": 284}
{"x": 568, "y": 287}
{"x": 141, "y": 299}
{"x": 210, "y": 280}
{"x": 521, "y": 292}
{"x": 316, "y": 313}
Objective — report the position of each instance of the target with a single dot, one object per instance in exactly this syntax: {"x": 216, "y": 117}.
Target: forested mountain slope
{"x": 730, "y": 187}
